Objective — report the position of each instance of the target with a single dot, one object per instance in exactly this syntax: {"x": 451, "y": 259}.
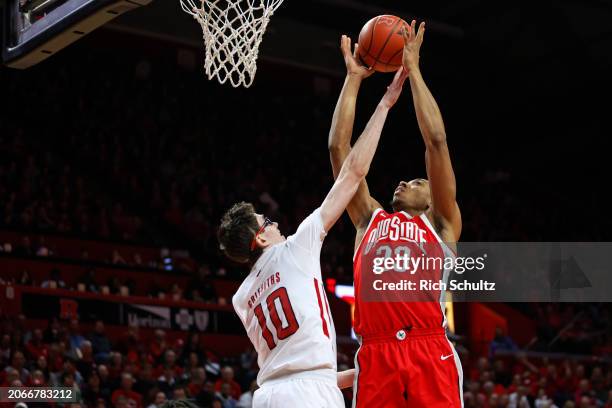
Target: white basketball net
{"x": 233, "y": 30}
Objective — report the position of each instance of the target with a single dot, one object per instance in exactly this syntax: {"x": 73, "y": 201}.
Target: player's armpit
{"x": 362, "y": 206}
{"x": 443, "y": 185}
{"x": 345, "y": 378}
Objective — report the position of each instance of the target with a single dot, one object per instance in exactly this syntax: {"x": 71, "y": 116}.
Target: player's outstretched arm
{"x": 437, "y": 158}
{"x": 357, "y": 163}
{"x": 345, "y": 378}
{"x": 339, "y": 142}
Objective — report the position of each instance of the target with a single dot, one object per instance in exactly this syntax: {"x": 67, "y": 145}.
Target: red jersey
{"x": 389, "y": 232}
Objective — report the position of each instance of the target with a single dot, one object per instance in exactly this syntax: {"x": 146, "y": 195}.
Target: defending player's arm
{"x": 437, "y": 158}
{"x": 345, "y": 378}
{"x": 357, "y": 163}
{"x": 339, "y": 143}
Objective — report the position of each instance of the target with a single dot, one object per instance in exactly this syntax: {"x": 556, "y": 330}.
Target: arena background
{"x": 118, "y": 158}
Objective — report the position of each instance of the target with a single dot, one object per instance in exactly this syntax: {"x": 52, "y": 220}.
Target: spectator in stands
{"x": 226, "y": 397}
{"x": 67, "y": 380}
{"x": 137, "y": 259}
{"x": 55, "y": 360}
{"x": 117, "y": 259}
{"x": 76, "y": 339}
{"x": 207, "y": 395}
{"x": 246, "y": 399}
{"x": 501, "y": 342}
{"x": 159, "y": 400}
{"x": 106, "y": 383}
{"x": 6, "y": 247}
{"x": 88, "y": 279}
{"x": 585, "y": 402}
{"x": 64, "y": 224}
{"x": 130, "y": 344}
{"x": 144, "y": 358}
{"x": 502, "y": 376}
{"x": 133, "y": 398}
{"x": 158, "y": 345}
{"x": 8, "y": 376}
{"x": 42, "y": 249}
{"x": 93, "y": 392}
{"x": 584, "y": 390}
{"x": 68, "y": 369}
{"x": 227, "y": 377}
{"x": 146, "y": 382}
{"x": 38, "y": 378}
{"x": 51, "y": 333}
{"x": 487, "y": 388}
{"x": 54, "y": 281}
{"x": 598, "y": 384}
{"x": 179, "y": 393}
{"x": 25, "y": 248}
{"x": 25, "y": 279}
{"x": 86, "y": 363}
{"x": 518, "y": 399}
{"x": 192, "y": 346}
{"x": 18, "y": 364}
{"x": 192, "y": 363}
{"x": 5, "y": 350}
{"x": 248, "y": 363}
{"x": 169, "y": 363}
{"x": 36, "y": 347}
{"x": 100, "y": 343}
{"x": 131, "y": 285}
{"x": 115, "y": 365}
{"x": 123, "y": 402}
{"x": 176, "y": 293}
{"x": 543, "y": 401}
{"x": 201, "y": 289}
{"x": 196, "y": 381}
{"x": 42, "y": 366}
{"x": 166, "y": 382}
{"x": 114, "y": 285}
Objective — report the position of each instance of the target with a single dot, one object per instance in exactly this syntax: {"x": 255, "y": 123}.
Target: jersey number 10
{"x": 292, "y": 323}
{"x": 281, "y": 332}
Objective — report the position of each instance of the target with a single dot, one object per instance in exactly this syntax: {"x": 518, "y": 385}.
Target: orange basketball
{"x": 381, "y": 43}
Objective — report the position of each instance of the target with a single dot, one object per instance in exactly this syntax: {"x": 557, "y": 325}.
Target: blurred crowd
{"x": 521, "y": 383}
{"x": 155, "y": 153}
{"x": 198, "y": 288}
{"x": 42, "y": 192}
{"x": 126, "y": 371}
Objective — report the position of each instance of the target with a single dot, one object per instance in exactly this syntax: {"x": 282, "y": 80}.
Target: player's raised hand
{"x": 353, "y": 66}
{"x": 395, "y": 89}
{"x": 412, "y": 45}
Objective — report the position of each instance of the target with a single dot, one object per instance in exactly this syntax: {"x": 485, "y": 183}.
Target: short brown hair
{"x": 236, "y": 232}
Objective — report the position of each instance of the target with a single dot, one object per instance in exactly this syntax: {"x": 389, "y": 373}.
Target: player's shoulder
{"x": 379, "y": 213}
{"x": 311, "y": 228}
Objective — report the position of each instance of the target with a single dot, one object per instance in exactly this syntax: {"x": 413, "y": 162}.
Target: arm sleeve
{"x": 308, "y": 239}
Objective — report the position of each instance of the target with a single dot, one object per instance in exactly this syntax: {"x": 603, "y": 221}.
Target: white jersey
{"x": 284, "y": 309}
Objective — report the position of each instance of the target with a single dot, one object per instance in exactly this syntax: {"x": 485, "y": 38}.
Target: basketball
{"x": 381, "y": 43}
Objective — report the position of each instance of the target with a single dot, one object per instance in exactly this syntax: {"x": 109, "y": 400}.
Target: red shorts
{"x": 408, "y": 368}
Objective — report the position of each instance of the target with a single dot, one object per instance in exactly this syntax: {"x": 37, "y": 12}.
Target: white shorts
{"x": 299, "y": 393}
